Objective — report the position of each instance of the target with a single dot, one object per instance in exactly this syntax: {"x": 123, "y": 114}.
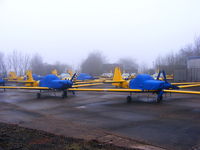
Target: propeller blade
{"x": 73, "y": 77}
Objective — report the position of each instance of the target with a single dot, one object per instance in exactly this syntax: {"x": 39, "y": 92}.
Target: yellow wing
{"x": 23, "y": 87}
{"x": 106, "y": 90}
{"x": 187, "y": 86}
{"x": 17, "y": 81}
{"x": 180, "y": 91}
{"x": 86, "y": 82}
{"x": 185, "y": 83}
{"x": 85, "y": 85}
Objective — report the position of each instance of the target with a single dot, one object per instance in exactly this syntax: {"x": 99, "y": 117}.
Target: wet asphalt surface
{"x": 173, "y": 124}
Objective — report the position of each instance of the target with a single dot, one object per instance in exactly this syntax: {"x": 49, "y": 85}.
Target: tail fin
{"x": 117, "y": 74}
{"x": 30, "y": 81}
{"x": 12, "y": 76}
{"x": 70, "y": 72}
{"x": 29, "y": 76}
{"x": 55, "y": 72}
{"x": 117, "y": 77}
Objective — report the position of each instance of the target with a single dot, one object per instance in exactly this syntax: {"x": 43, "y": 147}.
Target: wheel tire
{"x": 159, "y": 99}
{"x": 129, "y": 99}
{"x": 38, "y": 95}
{"x": 64, "y": 94}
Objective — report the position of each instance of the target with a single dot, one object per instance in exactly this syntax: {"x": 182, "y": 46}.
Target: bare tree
{"x": 3, "y": 70}
{"x": 173, "y": 61}
{"x": 129, "y": 65}
{"x": 18, "y": 62}
{"x": 93, "y": 63}
{"x": 37, "y": 65}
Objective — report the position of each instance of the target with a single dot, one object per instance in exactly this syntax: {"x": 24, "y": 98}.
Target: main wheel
{"x": 64, "y": 94}
{"x": 129, "y": 99}
{"x": 159, "y": 99}
{"x": 38, "y": 95}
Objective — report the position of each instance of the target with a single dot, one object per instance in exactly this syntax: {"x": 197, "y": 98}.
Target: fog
{"x": 67, "y": 31}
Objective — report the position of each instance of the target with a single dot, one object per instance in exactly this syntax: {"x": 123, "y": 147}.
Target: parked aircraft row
{"x": 142, "y": 83}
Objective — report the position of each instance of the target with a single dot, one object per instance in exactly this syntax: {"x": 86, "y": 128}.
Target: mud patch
{"x": 15, "y": 137}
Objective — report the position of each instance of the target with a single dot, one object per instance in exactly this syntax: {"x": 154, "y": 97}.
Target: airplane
{"x": 84, "y": 76}
{"x": 13, "y": 77}
{"x": 49, "y": 83}
{"x": 143, "y": 83}
{"x": 2, "y": 82}
{"x": 29, "y": 79}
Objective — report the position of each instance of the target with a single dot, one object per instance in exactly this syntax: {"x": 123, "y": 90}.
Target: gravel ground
{"x": 13, "y": 137}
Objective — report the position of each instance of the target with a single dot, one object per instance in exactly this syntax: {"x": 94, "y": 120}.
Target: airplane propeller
{"x": 73, "y": 77}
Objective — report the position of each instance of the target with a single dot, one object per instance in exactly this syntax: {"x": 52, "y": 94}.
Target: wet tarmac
{"x": 173, "y": 124}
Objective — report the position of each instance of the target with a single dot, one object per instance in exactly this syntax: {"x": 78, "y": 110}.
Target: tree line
{"x": 96, "y": 63}
{"x": 178, "y": 60}
{"x": 20, "y": 63}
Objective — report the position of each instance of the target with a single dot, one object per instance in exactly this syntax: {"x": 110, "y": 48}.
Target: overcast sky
{"x": 67, "y": 30}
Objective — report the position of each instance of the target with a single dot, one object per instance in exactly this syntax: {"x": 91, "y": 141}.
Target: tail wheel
{"x": 129, "y": 99}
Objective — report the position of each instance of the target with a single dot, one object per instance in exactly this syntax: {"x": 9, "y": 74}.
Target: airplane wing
{"x": 187, "y": 86}
{"x": 185, "y": 83}
{"x": 180, "y": 91}
{"x": 119, "y": 81}
{"x": 23, "y": 87}
{"x": 106, "y": 90}
{"x": 85, "y": 85}
{"x": 86, "y": 82}
{"x": 132, "y": 90}
{"x": 100, "y": 81}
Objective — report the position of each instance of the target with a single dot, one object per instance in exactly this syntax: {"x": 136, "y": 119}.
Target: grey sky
{"x": 67, "y": 30}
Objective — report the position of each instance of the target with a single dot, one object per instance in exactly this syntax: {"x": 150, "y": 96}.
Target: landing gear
{"x": 159, "y": 96}
{"x": 38, "y": 95}
{"x": 159, "y": 99}
{"x": 64, "y": 94}
{"x": 129, "y": 99}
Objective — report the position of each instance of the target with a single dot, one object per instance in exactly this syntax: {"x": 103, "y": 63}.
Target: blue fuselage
{"x": 2, "y": 82}
{"x": 52, "y": 81}
{"x": 146, "y": 82}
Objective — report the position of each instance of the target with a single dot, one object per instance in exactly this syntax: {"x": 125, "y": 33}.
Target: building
{"x": 193, "y": 62}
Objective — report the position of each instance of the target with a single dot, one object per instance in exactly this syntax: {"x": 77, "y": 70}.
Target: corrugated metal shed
{"x": 193, "y": 62}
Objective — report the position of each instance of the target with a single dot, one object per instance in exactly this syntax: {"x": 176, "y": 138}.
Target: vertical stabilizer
{"x": 117, "y": 77}
{"x": 30, "y": 81}
{"x": 12, "y": 76}
{"x": 29, "y": 75}
{"x": 55, "y": 72}
{"x": 117, "y": 74}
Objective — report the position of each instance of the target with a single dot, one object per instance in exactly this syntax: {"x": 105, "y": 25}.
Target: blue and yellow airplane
{"x": 2, "y": 82}
{"x": 49, "y": 82}
{"x": 143, "y": 83}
